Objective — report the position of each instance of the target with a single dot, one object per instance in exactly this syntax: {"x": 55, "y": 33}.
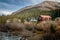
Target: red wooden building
{"x": 44, "y": 17}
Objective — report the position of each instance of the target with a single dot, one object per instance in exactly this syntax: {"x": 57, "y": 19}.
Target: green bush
{"x": 52, "y": 28}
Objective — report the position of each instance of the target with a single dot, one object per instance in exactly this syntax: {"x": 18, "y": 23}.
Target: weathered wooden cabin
{"x": 44, "y": 17}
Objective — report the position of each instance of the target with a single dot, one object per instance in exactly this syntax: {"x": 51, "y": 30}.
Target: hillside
{"x": 36, "y": 10}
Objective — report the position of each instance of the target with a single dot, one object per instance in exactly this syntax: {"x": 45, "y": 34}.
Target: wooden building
{"x": 44, "y": 17}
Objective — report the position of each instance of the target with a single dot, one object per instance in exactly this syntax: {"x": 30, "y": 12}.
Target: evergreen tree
{"x": 55, "y": 13}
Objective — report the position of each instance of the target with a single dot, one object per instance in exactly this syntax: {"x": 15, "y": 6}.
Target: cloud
{"x": 8, "y": 6}
{"x": 5, "y": 12}
{"x": 36, "y": 1}
{"x": 58, "y": 0}
{"x": 12, "y": 5}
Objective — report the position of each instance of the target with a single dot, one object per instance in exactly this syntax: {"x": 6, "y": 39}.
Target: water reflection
{"x": 5, "y": 36}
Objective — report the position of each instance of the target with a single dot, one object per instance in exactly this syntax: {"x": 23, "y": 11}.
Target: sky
{"x": 9, "y": 6}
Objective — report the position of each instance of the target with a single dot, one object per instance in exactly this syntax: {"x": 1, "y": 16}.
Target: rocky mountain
{"x": 45, "y": 6}
{"x": 48, "y": 5}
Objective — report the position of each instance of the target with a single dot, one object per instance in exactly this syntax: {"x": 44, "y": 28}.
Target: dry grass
{"x": 35, "y": 31}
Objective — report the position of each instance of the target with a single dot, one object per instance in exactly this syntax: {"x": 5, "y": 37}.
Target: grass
{"x": 40, "y": 31}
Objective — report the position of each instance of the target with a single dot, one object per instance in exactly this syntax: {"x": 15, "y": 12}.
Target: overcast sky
{"x": 9, "y": 6}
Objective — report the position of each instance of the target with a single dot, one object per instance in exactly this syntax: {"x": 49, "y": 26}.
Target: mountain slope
{"x": 46, "y": 5}
{"x": 38, "y": 9}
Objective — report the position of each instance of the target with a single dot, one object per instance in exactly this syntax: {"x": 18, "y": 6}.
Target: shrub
{"x": 52, "y": 28}
{"x": 22, "y": 20}
{"x": 29, "y": 28}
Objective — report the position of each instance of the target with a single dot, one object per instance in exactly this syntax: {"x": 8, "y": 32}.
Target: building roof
{"x": 45, "y": 16}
